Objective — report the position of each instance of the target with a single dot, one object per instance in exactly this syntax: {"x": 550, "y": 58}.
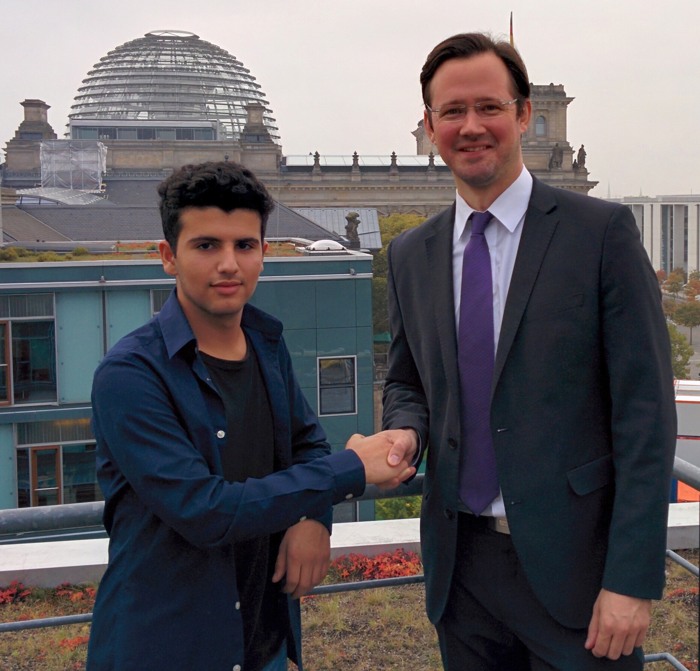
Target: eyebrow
{"x": 209, "y": 238}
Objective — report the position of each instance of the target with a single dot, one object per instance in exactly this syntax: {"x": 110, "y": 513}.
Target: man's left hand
{"x": 304, "y": 557}
{"x": 619, "y": 624}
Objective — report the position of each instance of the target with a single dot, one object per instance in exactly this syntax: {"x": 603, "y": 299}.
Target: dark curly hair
{"x": 223, "y": 184}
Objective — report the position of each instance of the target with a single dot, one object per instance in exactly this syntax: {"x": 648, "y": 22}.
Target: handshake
{"x": 387, "y": 456}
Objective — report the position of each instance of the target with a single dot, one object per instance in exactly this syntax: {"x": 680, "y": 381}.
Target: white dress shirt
{"x": 503, "y": 238}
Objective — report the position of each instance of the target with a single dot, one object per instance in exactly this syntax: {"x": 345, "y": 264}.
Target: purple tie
{"x": 478, "y": 478}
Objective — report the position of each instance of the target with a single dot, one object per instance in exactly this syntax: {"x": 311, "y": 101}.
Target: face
{"x": 217, "y": 263}
{"x": 483, "y": 154}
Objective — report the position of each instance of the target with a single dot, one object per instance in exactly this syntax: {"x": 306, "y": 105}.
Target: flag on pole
{"x": 512, "y": 42}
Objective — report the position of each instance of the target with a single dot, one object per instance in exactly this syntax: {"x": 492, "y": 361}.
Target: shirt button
{"x": 237, "y": 667}
{"x": 238, "y": 605}
{"x": 348, "y": 497}
{"x": 220, "y": 433}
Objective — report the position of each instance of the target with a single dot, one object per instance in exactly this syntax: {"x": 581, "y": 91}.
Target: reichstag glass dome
{"x": 169, "y": 84}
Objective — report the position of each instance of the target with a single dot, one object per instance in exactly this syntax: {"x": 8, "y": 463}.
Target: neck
{"x": 229, "y": 345}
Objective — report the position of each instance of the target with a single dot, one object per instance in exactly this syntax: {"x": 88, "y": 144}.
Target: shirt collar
{"x": 177, "y": 333}
{"x": 509, "y": 208}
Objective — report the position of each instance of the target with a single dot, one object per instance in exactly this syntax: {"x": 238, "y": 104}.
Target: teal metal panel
{"x": 8, "y": 468}
{"x": 335, "y": 303}
{"x": 363, "y": 302}
{"x": 365, "y": 358}
{"x": 302, "y": 348}
{"x": 365, "y": 409}
{"x": 80, "y": 343}
{"x": 126, "y": 310}
{"x": 293, "y": 303}
{"x": 336, "y": 341}
{"x": 339, "y": 428}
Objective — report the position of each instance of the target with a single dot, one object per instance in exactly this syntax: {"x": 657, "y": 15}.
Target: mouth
{"x": 474, "y": 150}
{"x": 227, "y": 287}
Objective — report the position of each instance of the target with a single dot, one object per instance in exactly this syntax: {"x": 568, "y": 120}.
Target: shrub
{"x": 354, "y": 567}
{"x": 9, "y": 254}
{"x": 81, "y": 251}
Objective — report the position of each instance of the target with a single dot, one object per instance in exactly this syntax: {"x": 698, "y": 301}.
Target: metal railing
{"x": 79, "y": 515}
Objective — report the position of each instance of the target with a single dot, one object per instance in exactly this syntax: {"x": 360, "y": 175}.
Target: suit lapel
{"x": 440, "y": 291}
{"x": 541, "y": 220}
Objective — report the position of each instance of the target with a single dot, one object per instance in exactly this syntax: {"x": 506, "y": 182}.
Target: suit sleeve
{"x": 404, "y": 401}
{"x": 643, "y": 416}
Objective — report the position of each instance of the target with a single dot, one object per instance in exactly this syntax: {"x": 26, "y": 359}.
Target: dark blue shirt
{"x": 168, "y": 599}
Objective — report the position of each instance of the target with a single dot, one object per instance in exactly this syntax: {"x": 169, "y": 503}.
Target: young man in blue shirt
{"x": 217, "y": 476}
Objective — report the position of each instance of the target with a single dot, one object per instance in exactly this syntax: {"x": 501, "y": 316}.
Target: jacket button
{"x": 302, "y": 518}
{"x": 236, "y": 667}
{"x": 452, "y": 443}
{"x": 221, "y": 433}
{"x": 348, "y": 497}
{"x": 449, "y": 514}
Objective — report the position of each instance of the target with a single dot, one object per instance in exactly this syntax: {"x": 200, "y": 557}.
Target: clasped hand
{"x": 386, "y": 456}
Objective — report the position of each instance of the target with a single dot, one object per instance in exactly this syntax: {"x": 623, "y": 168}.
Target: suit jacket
{"x": 582, "y": 407}
{"x": 169, "y": 598}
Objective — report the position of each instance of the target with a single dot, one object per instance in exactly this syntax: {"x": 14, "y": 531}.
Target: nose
{"x": 472, "y": 124}
{"x": 228, "y": 263}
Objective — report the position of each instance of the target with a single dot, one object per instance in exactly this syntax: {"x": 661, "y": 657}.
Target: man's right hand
{"x": 374, "y": 454}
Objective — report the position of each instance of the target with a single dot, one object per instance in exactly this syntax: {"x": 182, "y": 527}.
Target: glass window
{"x": 79, "y": 474}
{"x": 128, "y": 134}
{"x": 4, "y": 364}
{"x": 46, "y": 488}
{"x": 85, "y": 133}
{"x": 51, "y": 473}
{"x": 337, "y": 389}
{"x": 24, "y": 499}
{"x": 541, "y": 126}
{"x": 158, "y": 298}
{"x": 33, "y": 361}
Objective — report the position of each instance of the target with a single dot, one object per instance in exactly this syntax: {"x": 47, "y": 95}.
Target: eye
{"x": 452, "y": 111}
{"x": 489, "y": 108}
{"x": 205, "y": 246}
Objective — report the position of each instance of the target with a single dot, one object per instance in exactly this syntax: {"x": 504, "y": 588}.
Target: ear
{"x": 167, "y": 256}
{"x": 428, "y": 125}
{"x": 265, "y": 247}
{"x": 525, "y": 115}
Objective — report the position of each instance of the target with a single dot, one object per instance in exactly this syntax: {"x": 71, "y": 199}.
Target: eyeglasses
{"x": 486, "y": 109}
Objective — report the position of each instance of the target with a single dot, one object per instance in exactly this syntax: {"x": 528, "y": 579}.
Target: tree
{"x": 674, "y": 282}
{"x": 692, "y": 288}
{"x": 688, "y": 314}
{"x": 681, "y": 351}
{"x": 389, "y": 228}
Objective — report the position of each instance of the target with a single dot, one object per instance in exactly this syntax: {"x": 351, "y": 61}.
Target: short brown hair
{"x": 466, "y": 45}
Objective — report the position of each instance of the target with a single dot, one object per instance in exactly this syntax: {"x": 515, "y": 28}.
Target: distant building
{"x": 670, "y": 229}
{"x": 170, "y": 98}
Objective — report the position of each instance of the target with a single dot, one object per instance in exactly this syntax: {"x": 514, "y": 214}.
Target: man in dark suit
{"x": 556, "y": 566}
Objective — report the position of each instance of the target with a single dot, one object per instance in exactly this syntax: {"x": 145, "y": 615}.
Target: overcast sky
{"x": 342, "y": 75}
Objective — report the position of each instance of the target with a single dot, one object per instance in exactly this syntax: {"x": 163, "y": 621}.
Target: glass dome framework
{"x": 173, "y": 83}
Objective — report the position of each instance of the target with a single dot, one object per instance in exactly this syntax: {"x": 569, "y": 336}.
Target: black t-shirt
{"x": 249, "y": 453}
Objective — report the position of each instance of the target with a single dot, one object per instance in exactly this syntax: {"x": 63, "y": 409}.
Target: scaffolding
{"x": 73, "y": 164}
